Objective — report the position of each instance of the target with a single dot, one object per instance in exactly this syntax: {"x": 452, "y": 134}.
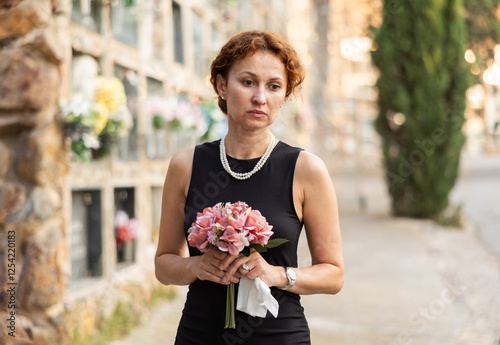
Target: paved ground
{"x": 407, "y": 281}
{"x": 479, "y": 192}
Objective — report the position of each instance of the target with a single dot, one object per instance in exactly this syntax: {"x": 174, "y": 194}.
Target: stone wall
{"x": 34, "y": 55}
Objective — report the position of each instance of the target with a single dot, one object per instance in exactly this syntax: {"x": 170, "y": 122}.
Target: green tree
{"x": 419, "y": 51}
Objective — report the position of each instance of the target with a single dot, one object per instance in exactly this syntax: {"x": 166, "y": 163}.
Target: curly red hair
{"x": 245, "y": 43}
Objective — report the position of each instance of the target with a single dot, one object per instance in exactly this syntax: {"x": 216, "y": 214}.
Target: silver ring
{"x": 245, "y": 267}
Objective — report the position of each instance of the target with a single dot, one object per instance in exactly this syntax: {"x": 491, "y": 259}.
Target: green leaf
{"x": 260, "y": 248}
{"x": 246, "y": 251}
{"x": 158, "y": 122}
{"x": 276, "y": 242}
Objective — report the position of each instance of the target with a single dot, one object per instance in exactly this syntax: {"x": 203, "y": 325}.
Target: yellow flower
{"x": 101, "y": 117}
{"x": 111, "y": 93}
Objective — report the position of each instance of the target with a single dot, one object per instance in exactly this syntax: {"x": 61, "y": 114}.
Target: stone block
{"x": 47, "y": 237}
{"x": 81, "y": 316}
{"x": 21, "y": 214}
{"x": 31, "y": 329}
{"x": 12, "y": 198}
{"x": 6, "y": 4}
{"x": 28, "y": 80}
{"x": 61, "y": 6}
{"x": 13, "y": 125}
{"x": 41, "y": 283}
{"x": 10, "y": 124}
{"x": 23, "y": 17}
{"x": 45, "y": 200}
{"x": 5, "y": 159}
{"x": 56, "y": 313}
{"x": 52, "y": 41}
{"x": 45, "y": 160}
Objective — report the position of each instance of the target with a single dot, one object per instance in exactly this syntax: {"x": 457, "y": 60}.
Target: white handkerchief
{"x": 254, "y": 298}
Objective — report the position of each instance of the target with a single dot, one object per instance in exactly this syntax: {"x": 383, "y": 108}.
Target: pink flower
{"x": 198, "y": 237}
{"x": 229, "y": 227}
{"x": 233, "y": 241}
{"x": 259, "y": 228}
{"x": 202, "y": 230}
{"x": 236, "y": 214}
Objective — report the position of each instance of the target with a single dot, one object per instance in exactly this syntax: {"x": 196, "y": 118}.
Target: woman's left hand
{"x": 254, "y": 266}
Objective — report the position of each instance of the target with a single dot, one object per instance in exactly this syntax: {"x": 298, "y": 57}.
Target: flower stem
{"x": 230, "y": 322}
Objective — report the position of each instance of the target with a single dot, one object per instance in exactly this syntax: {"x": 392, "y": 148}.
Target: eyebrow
{"x": 254, "y": 75}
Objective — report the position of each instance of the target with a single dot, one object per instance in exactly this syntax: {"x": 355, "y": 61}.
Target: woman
{"x": 253, "y": 75}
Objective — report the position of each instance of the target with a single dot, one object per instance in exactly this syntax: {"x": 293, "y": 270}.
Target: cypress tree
{"x": 419, "y": 51}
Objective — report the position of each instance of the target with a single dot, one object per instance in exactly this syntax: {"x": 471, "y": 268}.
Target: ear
{"x": 221, "y": 86}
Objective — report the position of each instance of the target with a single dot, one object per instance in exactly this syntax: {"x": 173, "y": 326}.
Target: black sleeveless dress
{"x": 269, "y": 191}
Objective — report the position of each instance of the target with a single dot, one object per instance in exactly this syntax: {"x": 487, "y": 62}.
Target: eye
{"x": 275, "y": 87}
{"x": 248, "y": 82}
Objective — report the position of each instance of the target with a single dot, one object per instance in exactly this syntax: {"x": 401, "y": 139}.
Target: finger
{"x": 256, "y": 271}
{"x": 252, "y": 275}
{"x": 206, "y": 275}
{"x": 210, "y": 263}
{"x": 244, "y": 269}
{"x": 236, "y": 267}
{"x": 210, "y": 271}
{"x": 228, "y": 261}
{"x": 216, "y": 253}
{"x": 235, "y": 278}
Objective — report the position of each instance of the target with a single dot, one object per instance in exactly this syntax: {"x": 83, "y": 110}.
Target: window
{"x": 87, "y": 13}
{"x": 215, "y": 43}
{"x": 178, "y": 41}
{"x": 156, "y": 143}
{"x": 126, "y": 226}
{"x": 199, "y": 57}
{"x": 156, "y": 197}
{"x": 157, "y": 34}
{"x": 127, "y": 146}
{"x": 86, "y": 234}
{"x": 155, "y": 87}
{"x": 124, "y": 19}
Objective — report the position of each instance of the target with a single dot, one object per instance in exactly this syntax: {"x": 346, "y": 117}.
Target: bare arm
{"x": 318, "y": 207}
{"x": 172, "y": 266}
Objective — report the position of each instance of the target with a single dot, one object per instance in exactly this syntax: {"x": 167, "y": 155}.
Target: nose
{"x": 259, "y": 96}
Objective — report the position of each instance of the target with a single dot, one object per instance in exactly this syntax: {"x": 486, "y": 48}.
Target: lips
{"x": 257, "y": 113}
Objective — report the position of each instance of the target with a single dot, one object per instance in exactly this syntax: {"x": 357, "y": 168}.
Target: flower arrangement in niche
{"x": 126, "y": 229}
{"x": 175, "y": 114}
{"x": 94, "y": 123}
{"x": 235, "y": 228}
{"x": 216, "y": 121}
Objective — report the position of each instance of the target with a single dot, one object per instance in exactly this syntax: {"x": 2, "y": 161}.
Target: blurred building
{"x": 339, "y": 105}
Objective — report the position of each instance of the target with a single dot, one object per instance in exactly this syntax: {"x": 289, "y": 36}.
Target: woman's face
{"x": 255, "y": 90}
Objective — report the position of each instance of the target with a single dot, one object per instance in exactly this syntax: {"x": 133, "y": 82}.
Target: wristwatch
{"x": 291, "y": 276}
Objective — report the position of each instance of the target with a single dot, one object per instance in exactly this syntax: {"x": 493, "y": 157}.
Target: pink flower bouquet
{"x": 233, "y": 228}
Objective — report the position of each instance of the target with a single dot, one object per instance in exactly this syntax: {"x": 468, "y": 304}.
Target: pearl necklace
{"x": 258, "y": 166}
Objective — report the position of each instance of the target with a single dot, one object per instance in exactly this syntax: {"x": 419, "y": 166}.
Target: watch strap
{"x": 291, "y": 281}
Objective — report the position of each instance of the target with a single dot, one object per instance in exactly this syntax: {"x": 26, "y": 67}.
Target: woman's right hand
{"x": 207, "y": 267}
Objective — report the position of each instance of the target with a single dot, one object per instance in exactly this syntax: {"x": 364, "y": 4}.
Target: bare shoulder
{"x": 309, "y": 166}
{"x": 182, "y": 161}
{"x": 180, "y": 169}
{"x": 313, "y": 181}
